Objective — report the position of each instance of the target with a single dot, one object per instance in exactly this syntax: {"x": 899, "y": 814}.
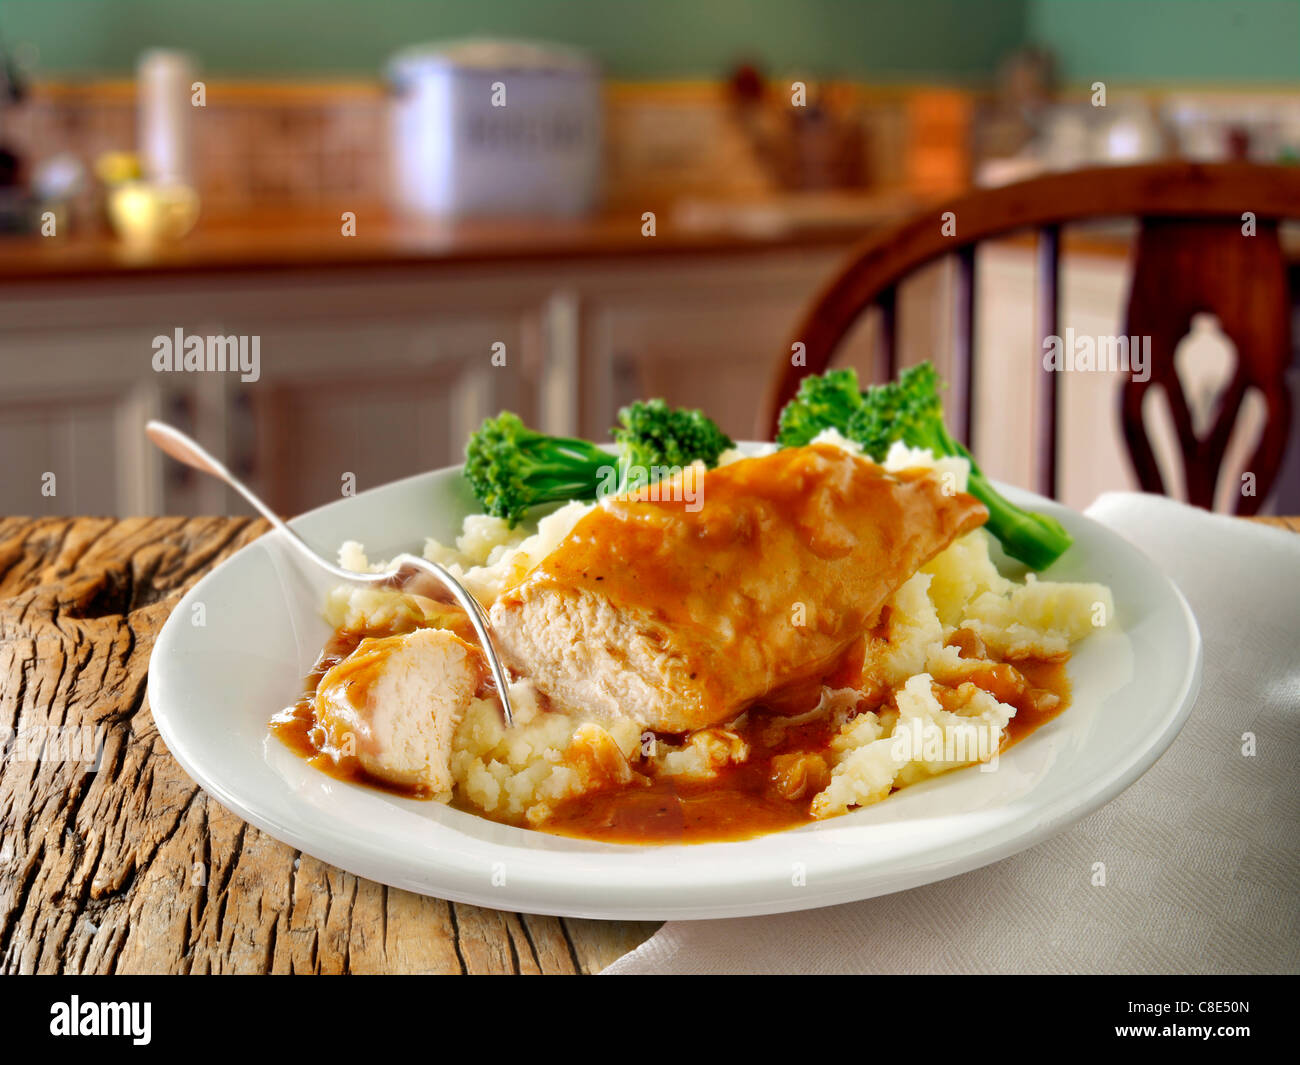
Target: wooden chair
{"x": 1191, "y": 256}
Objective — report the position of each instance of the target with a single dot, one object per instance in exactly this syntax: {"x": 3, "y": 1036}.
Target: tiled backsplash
{"x": 268, "y": 147}
{"x": 261, "y": 148}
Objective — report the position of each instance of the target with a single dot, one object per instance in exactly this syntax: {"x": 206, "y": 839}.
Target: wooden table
{"x": 133, "y": 868}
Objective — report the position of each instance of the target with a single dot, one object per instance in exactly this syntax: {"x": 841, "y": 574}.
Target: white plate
{"x": 213, "y": 687}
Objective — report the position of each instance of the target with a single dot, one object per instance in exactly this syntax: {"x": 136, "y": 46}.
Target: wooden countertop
{"x": 134, "y": 868}
{"x": 315, "y": 241}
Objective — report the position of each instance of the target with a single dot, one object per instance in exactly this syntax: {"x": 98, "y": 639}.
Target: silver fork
{"x": 408, "y": 573}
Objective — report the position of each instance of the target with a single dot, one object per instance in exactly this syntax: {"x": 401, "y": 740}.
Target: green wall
{"x": 1165, "y": 41}
{"x": 885, "y": 39}
{"x": 1227, "y": 41}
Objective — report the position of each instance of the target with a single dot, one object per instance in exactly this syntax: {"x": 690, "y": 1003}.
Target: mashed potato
{"x": 488, "y": 555}
{"x": 544, "y": 759}
{"x": 523, "y": 772}
{"x": 1037, "y": 619}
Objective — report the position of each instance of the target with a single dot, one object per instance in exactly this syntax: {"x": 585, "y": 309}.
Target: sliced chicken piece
{"x": 679, "y": 613}
{"x": 395, "y": 702}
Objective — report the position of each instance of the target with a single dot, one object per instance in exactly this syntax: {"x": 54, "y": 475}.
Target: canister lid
{"x": 487, "y": 54}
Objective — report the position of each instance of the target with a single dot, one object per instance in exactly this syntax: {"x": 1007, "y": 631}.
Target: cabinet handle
{"x": 243, "y": 436}
{"x": 181, "y": 413}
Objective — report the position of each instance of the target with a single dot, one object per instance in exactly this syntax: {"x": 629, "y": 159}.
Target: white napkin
{"x": 1202, "y": 853}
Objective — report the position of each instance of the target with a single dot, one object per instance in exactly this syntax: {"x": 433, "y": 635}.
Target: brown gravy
{"x": 296, "y": 728}
{"x": 741, "y": 802}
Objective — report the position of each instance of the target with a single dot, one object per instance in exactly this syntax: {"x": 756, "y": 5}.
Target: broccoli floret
{"x": 906, "y": 409}
{"x": 512, "y": 468}
{"x": 910, "y": 410}
{"x": 824, "y": 402}
{"x": 653, "y": 436}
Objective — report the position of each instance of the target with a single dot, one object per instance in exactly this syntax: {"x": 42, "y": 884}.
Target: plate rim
{"x": 528, "y": 894}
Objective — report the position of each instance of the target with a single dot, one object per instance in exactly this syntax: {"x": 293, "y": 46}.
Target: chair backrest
{"x": 1208, "y": 242}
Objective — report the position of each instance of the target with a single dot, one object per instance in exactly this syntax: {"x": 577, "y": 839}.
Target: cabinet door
{"x": 352, "y": 404}
{"x": 379, "y": 377}
{"x": 73, "y": 402}
{"x": 316, "y": 438}
{"x": 1008, "y": 366}
{"x": 701, "y": 334}
{"x": 61, "y": 456}
{"x": 718, "y": 360}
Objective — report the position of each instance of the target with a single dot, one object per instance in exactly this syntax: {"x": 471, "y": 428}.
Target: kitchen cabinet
{"x": 358, "y": 382}
{"x": 72, "y": 398}
{"x": 701, "y": 336}
{"x": 372, "y": 374}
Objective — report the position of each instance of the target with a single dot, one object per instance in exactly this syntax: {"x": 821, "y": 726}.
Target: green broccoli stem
{"x": 563, "y": 468}
{"x": 1037, "y": 540}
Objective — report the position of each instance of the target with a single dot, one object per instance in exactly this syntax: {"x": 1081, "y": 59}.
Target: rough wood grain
{"x": 1289, "y": 524}
{"x": 132, "y": 868}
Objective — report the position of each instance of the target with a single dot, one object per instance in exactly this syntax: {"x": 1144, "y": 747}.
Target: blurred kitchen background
{"x": 313, "y": 175}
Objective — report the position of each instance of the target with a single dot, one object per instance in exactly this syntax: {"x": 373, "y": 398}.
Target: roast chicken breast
{"x": 680, "y": 612}
{"x": 395, "y": 702}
